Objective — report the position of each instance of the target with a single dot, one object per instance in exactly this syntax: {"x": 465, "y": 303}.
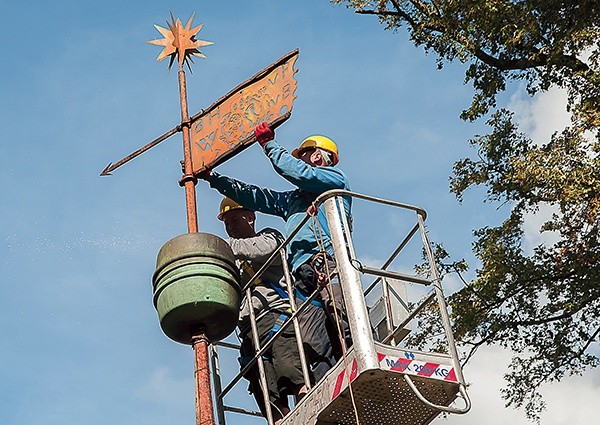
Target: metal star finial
{"x": 180, "y": 42}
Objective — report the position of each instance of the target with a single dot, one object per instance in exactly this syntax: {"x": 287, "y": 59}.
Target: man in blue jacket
{"x": 312, "y": 169}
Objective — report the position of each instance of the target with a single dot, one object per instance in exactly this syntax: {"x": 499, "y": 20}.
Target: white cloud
{"x": 571, "y": 401}
{"x": 532, "y": 222}
{"x": 541, "y": 115}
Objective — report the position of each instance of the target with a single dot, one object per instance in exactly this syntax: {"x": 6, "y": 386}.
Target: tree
{"x": 544, "y": 305}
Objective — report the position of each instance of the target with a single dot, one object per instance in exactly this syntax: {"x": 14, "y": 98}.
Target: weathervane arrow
{"x": 112, "y": 167}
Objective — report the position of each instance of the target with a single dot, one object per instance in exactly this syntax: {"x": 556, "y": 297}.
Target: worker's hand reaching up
{"x": 205, "y": 174}
{"x": 264, "y": 133}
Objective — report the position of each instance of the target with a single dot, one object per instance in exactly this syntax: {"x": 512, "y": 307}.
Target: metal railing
{"x": 347, "y": 263}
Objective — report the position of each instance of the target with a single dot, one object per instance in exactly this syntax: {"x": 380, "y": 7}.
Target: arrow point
{"x": 107, "y": 170}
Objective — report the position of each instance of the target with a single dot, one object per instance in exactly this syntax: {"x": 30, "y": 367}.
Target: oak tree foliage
{"x": 541, "y": 303}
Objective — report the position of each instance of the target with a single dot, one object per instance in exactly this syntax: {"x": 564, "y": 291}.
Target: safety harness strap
{"x": 303, "y": 297}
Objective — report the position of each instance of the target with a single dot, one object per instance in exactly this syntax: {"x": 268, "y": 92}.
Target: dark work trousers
{"x": 282, "y": 362}
{"x": 316, "y": 339}
{"x": 334, "y": 304}
{"x": 318, "y": 326}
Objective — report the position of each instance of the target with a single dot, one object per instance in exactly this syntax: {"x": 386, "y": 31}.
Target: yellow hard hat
{"x": 320, "y": 142}
{"x": 228, "y": 204}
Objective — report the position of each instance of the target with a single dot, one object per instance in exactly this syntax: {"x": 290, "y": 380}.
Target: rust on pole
{"x": 204, "y": 404}
{"x": 188, "y": 180}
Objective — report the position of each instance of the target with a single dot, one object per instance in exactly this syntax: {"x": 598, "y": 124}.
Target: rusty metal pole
{"x": 188, "y": 180}
{"x": 180, "y": 42}
{"x": 204, "y": 405}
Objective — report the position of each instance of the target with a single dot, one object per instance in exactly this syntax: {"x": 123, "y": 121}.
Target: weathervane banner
{"x": 227, "y": 126}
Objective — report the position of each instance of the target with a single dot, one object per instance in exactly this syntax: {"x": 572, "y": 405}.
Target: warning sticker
{"x": 408, "y": 364}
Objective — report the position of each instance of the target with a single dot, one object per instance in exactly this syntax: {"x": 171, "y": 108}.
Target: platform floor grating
{"x": 384, "y": 398}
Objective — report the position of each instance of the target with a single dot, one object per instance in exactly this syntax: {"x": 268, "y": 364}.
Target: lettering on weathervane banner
{"x": 227, "y": 126}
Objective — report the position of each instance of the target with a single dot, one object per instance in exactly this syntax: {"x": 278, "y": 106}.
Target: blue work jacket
{"x": 290, "y": 205}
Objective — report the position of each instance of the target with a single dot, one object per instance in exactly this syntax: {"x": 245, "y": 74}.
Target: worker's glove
{"x": 205, "y": 174}
{"x": 264, "y": 133}
{"x": 323, "y": 273}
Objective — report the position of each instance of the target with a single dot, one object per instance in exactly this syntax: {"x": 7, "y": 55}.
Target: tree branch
{"x": 416, "y": 26}
{"x": 544, "y": 320}
{"x": 565, "y": 362}
{"x": 476, "y": 345}
{"x": 536, "y": 59}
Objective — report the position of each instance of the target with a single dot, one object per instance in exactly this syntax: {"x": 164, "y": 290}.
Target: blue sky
{"x": 81, "y": 88}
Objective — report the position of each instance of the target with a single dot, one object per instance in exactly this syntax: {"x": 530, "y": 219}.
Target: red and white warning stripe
{"x": 341, "y": 378}
{"x": 408, "y": 364}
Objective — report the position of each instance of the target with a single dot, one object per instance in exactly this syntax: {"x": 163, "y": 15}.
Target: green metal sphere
{"x": 196, "y": 287}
